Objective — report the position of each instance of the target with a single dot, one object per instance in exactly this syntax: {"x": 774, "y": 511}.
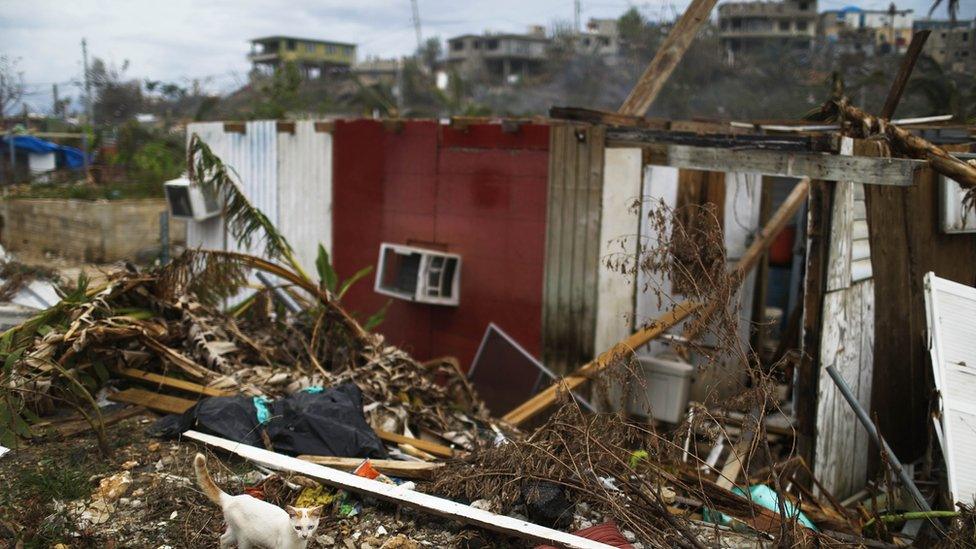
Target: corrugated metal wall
{"x": 572, "y": 245}
{"x": 285, "y": 173}
{"x": 305, "y": 190}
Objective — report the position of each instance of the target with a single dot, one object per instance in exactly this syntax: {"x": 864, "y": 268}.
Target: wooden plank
{"x": 409, "y": 498}
{"x": 904, "y": 73}
{"x": 624, "y": 348}
{"x": 390, "y": 467}
{"x": 667, "y": 57}
{"x": 593, "y": 116}
{"x": 828, "y": 167}
{"x": 173, "y": 383}
{"x": 905, "y": 244}
{"x": 433, "y": 448}
{"x": 841, "y": 230}
{"x": 592, "y": 186}
{"x": 718, "y": 137}
{"x": 77, "y": 426}
{"x": 836, "y": 465}
{"x": 154, "y": 401}
{"x": 807, "y": 379}
{"x": 865, "y": 371}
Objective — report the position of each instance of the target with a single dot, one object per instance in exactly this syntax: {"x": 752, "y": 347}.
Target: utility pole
{"x": 54, "y": 93}
{"x": 576, "y": 17}
{"x": 416, "y": 24}
{"x": 89, "y": 107}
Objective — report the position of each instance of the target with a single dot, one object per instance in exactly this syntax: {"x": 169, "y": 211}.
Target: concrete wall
{"x": 97, "y": 231}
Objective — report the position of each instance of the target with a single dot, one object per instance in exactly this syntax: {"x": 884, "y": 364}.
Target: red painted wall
{"x": 479, "y": 191}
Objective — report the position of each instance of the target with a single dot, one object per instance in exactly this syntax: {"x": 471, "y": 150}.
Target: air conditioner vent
{"x": 418, "y": 274}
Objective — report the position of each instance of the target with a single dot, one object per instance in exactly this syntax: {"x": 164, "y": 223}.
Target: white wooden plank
{"x": 860, "y": 230}
{"x": 828, "y": 167}
{"x": 619, "y": 234}
{"x": 861, "y": 270}
{"x": 860, "y": 249}
{"x": 841, "y": 229}
{"x": 862, "y": 442}
{"x": 836, "y": 464}
{"x": 410, "y": 498}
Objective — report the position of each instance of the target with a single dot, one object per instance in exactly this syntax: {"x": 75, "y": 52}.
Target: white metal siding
{"x": 305, "y": 191}
{"x": 950, "y": 309}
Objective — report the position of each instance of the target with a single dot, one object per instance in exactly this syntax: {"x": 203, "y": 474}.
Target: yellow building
{"x": 313, "y": 57}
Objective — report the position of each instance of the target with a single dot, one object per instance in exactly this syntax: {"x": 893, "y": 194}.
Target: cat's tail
{"x": 209, "y": 487}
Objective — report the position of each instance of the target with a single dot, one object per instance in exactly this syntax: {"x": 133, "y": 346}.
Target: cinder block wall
{"x": 96, "y": 231}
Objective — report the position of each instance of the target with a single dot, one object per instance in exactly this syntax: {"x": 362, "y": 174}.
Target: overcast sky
{"x": 182, "y": 40}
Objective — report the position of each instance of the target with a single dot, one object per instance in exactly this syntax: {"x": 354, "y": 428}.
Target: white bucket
{"x": 668, "y": 382}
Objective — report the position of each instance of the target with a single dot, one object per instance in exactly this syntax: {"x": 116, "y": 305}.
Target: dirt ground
{"x": 47, "y": 491}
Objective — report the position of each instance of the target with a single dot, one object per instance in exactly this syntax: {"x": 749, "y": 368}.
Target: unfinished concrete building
{"x": 745, "y": 26}
{"x": 498, "y": 57}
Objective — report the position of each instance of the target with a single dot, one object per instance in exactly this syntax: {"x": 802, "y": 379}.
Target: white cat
{"x": 255, "y": 523}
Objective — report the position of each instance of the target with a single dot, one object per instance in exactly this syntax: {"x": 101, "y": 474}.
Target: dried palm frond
{"x": 243, "y": 219}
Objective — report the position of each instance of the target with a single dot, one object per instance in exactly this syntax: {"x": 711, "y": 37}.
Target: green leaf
{"x": 327, "y": 275}
{"x": 352, "y": 280}
{"x": 12, "y": 359}
{"x": 377, "y": 318}
{"x": 101, "y": 371}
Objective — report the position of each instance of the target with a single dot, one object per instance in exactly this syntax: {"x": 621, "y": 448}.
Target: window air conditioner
{"x": 418, "y": 274}
{"x": 953, "y": 216}
{"x": 188, "y": 200}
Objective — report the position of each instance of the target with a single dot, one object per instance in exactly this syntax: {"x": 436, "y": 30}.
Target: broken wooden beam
{"x": 432, "y": 448}
{"x": 390, "y": 467}
{"x": 172, "y": 382}
{"x": 904, "y": 73}
{"x": 667, "y": 58}
{"x": 903, "y": 141}
{"x": 826, "y": 167}
{"x": 76, "y": 426}
{"x": 627, "y": 347}
{"x": 154, "y": 401}
{"x": 621, "y": 136}
{"x": 409, "y": 498}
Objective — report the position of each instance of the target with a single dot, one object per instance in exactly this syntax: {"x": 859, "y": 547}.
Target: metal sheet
{"x": 305, "y": 190}
{"x": 950, "y": 308}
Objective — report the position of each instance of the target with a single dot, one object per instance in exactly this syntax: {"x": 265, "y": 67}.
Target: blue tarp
{"x": 68, "y": 157}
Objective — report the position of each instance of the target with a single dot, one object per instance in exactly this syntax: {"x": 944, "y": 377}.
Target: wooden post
{"x": 904, "y": 73}
{"x": 667, "y": 58}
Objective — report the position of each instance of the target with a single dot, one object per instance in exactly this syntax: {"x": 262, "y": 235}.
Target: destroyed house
{"x": 514, "y": 222}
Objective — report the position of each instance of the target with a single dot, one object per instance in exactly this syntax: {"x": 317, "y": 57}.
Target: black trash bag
{"x": 546, "y": 504}
{"x": 326, "y": 423}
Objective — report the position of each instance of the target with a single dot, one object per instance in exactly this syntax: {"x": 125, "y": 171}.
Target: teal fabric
{"x": 766, "y": 497}
{"x": 261, "y": 405}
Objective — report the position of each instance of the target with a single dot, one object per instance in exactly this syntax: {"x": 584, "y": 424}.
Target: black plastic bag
{"x": 329, "y": 422}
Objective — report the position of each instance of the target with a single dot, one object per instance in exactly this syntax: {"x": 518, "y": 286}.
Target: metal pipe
{"x": 279, "y": 293}
{"x": 878, "y": 440}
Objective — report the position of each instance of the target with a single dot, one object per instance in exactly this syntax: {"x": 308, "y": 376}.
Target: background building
{"x": 313, "y": 57}
{"x": 498, "y": 57}
{"x": 601, "y": 37}
{"x": 868, "y": 31}
{"x": 951, "y": 44}
{"x": 756, "y": 25}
